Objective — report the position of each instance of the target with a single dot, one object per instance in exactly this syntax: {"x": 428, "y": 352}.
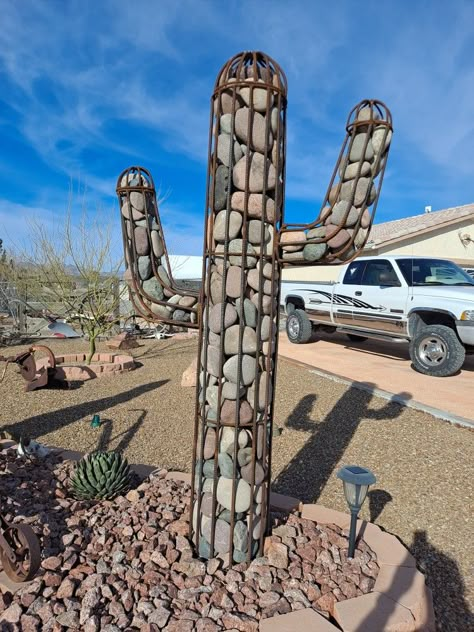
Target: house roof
{"x": 400, "y": 229}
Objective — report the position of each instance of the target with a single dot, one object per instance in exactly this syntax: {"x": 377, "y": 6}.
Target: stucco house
{"x": 447, "y": 234}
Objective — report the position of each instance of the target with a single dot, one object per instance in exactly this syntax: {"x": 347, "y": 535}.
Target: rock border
{"x": 111, "y": 364}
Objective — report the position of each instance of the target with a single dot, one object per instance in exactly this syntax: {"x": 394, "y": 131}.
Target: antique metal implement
{"x": 36, "y": 377}
{"x": 20, "y": 553}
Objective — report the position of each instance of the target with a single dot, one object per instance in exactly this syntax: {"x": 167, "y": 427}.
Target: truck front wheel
{"x": 298, "y": 327}
{"x": 436, "y": 350}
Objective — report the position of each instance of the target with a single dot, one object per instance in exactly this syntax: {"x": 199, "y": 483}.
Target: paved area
{"x": 386, "y": 366}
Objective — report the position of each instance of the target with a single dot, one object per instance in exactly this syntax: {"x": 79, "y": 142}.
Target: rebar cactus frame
{"x": 342, "y": 228}
{"x": 153, "y": 291}
{"x": 246, "y": 244}
{"x": 238, "y": 341}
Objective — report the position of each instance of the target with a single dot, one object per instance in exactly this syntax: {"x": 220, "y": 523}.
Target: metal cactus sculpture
{"x": 153, "y": 291}
{"x": 246, "y": 244}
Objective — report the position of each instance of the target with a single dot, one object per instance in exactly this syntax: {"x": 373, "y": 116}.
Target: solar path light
{"x": 356, "y": 481}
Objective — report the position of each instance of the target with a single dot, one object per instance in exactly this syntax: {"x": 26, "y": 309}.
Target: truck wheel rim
{"x": 293, "y": 327}
{"x": 433, "y": 351}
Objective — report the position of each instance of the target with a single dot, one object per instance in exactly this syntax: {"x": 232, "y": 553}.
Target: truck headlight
{"x": 468, "y": 315}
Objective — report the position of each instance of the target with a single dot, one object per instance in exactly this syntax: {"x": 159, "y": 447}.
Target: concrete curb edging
{"x": 393, "y": 397}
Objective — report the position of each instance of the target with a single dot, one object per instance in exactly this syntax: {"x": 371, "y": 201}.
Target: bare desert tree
{"x": 68, "y": 268}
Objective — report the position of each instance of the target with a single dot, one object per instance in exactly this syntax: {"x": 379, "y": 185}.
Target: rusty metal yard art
{"x": 246, "y": 244}
{"x": 20, "y": 552}
{"x": 34, "y": 375}
{"x": 153, "y": 291}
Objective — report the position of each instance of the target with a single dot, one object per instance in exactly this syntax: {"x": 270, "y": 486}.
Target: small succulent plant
{"x": 101, "y": 475}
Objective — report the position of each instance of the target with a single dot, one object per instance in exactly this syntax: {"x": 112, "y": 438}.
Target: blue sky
{"x": 88, "y": 88}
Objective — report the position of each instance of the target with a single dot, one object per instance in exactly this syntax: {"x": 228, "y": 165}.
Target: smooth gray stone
{"x": 239, "y": 556}
{"x": 226, "y": 515}
{"x": 244, "y": 456}
{"x": 157, "y": 244}
{"x": 242, "y": 496}
{"x": 221, "y": 187}
{"x": 237, "y": 245}
{"x": 229, "y": 390}
{"x": 316, "y": 233}
{"x": 232, "y": 339}
{"x": 265, "y": 328}
{"x": 208, "y": 469}
{"x": 215, "y": 317}
{"x": 216, "y": 287}
{"x": 378, "y": 138}
{"x": 241, "y": 536}
{"x": 255, "y": 232}
{"x": 226, "y": 465}
{"x": 221, "y": 534}
{"x": 260, "y": 97}
{"x": 163, "y": 274}
{"x": 243, "y": 439}
{"x": 160, "y": 310}
{"x": 258, "y": 130}
{"x": 213, "y": 361}
{"x": 144, "y": 267}
{"x": 181, "y": 315}
{"x": 137, "y": 200}
{"x": 247, "y": 373}
{"x": 235, "y": 224}
{"x": 234, "y": 282}
{"x": 204, "y": 548}
{"x": 258, "y": 166}
{"x": 249, "y": 314}
{"x": 223, "y": 150}
{"x": 340, "y": 209}
{"x": 351, "y": 170}
{"x": 313, "y": 252}
{"x": 226, "y": 123}
{"x": 357, "y": 149}
{"x": 153, "y": 288}
{"x": 227, "y": 439}
{"x": 246, "y": 472}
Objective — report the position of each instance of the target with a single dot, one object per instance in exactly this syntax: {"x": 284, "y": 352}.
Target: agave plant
{"x": 101, "y": 475}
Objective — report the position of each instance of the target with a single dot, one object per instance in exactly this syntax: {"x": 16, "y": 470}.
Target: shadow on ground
{"x": 50, "y": 421}
{"x": 309, "y": 470}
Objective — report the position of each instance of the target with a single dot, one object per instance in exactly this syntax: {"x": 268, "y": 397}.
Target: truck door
{"x": 344, "y": 294}
{"x": 380, "y": 300}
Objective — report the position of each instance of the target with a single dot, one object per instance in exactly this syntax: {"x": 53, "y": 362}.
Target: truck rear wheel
{"x": 436, "y": 350}
{"x": 298, "y": 327}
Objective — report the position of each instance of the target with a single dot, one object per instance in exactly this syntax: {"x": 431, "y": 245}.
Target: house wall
{"x": 443, "y": 242}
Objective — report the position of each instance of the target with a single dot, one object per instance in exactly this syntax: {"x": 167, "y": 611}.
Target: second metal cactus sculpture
{"x": 246, "y": 244}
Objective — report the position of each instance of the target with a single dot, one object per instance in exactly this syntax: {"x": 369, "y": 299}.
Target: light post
{"x": 356, "y": 481}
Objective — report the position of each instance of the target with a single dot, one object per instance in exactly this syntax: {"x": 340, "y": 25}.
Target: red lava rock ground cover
{"x": 127, "y": 564}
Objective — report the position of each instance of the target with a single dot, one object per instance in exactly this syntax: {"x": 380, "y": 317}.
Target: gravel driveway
{"x": 423, "y": 465}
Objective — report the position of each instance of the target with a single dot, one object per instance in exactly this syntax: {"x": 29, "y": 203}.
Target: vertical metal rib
{"x": 244, "y": 209}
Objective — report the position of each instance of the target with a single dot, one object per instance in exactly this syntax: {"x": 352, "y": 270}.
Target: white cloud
{"x": 77, "y": 74}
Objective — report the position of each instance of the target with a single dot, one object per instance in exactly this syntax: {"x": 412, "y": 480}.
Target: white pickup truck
{"x": 424, "y": 301}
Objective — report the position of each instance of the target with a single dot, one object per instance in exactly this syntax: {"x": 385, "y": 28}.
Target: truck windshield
{"x": 433, "y": 272}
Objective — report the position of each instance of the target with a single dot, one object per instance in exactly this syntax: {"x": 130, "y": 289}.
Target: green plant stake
{"x": 95, "y": 423}
{"x": 101, "y": 475}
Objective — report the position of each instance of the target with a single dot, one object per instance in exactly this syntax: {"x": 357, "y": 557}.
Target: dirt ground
{"x": 423, "y": 465}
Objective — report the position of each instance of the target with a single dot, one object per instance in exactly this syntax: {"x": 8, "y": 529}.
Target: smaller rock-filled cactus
{"x": 101, "y": 475}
